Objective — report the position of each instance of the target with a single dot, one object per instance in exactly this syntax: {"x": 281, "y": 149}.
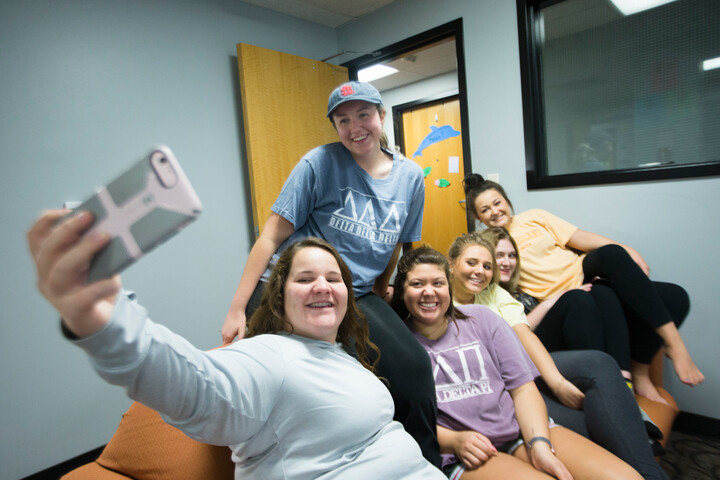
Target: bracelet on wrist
{"x": 532, "y": 441}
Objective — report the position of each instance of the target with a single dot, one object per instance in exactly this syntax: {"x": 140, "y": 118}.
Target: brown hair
{"x": 494, "y": 235}
{"x": 270, "y": 315}
{"x": 475, "y": 184}
{"x": 466, "y": 240}
{"x": 409, "y": 260}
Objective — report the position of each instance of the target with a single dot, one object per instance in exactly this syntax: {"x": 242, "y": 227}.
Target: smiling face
{"x": 472, "y": 273}
{"x": 360, "y": 126}
{"x": 493, "y": 209}
{"x": 426, "y": 294}
{"x": 506, "y": 258}
{"x": 315, "y": 295}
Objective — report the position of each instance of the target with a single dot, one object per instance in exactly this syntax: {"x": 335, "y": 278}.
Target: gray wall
{"x": 87, "y": 86}
{"x": 673, "y": 224}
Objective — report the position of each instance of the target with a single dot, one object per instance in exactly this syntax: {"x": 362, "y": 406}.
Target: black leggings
{"x": 620, "y": 313}
{"x": 404, "y": 364}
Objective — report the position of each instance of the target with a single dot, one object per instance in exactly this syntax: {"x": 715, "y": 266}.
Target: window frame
{"x": 534, "y": 124}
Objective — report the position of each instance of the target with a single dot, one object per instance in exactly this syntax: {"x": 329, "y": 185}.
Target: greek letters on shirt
{"x": 459, "y": 373}
{"x": 359, "y": 216}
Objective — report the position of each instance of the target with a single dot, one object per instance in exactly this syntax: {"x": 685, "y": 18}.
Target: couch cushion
{"x": 146, "y": 447}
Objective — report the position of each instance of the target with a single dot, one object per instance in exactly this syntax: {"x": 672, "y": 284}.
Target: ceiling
{"x": 420, "y": 64}
{"x": 413, "y": 66}
{"x": 330, "y": 13}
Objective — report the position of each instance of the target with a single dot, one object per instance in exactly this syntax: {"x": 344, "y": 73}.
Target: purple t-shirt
{"x": 474, "y": 365}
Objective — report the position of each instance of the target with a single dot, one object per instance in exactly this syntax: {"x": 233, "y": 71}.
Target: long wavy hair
{"x": 419, "y": 256}
{"x": 494, "y": 235}
{"x": 270, "y": 315}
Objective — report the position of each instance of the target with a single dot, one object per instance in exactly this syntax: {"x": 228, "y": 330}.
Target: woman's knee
{"x": 586, "y": 365}
{"x": 607, "y": 258}
{"x": 578, "y": 300}
{"x": 676, "y": 300}
{"x": 599, "y": 363}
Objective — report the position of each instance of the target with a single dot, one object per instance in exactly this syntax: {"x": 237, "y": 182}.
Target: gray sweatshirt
{"x": 289, "y": 407}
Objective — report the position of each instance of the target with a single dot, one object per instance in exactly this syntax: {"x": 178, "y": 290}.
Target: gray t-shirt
{"x": 289, "y": 407}
{"x": 329, "y": 196}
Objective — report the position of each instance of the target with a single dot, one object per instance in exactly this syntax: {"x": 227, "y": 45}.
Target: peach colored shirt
{"x": 547, "y": 265}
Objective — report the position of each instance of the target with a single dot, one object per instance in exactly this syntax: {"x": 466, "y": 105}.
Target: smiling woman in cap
{"x": 366, "y": 202}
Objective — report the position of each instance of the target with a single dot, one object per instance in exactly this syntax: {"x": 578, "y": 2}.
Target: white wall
{"x": 86, "y": 87}
{"x": 672, "y": 223}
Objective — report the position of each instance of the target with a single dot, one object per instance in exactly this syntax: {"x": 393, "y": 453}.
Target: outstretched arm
{"x": 566, "y": 392}
{"x": 588, "y": 241}
{"x": 277, "y": 229}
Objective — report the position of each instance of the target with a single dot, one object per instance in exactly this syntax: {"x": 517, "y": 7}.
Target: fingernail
{"x": 99, "y": 237}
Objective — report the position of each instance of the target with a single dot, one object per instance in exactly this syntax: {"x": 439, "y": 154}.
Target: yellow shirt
{"x": 547, "y": 265}
{"x": 501, "y": 302}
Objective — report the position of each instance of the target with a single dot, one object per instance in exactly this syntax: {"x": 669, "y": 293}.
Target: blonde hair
{"x": 466, "y": 240}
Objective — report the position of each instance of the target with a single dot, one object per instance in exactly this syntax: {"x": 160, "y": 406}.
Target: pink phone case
{"x": 143, "y": 207}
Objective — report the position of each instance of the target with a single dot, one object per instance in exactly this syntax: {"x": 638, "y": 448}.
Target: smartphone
{"x": 149, "y": 203}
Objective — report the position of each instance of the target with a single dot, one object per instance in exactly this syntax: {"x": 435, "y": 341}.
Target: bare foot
{"x": 645, "y": 388}
{"x": 684, "y": 366}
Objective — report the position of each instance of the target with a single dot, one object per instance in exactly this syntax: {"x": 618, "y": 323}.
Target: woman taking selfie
{"x": 289, "y": 401}
{"x": 558, "y": 256}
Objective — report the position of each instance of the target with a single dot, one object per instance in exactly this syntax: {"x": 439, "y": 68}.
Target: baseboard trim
{"x": 61, "y": 469}
{"x": 697, "y": 425}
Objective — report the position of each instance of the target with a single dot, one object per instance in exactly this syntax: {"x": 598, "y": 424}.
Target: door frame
{"x": 447, "y": 30}
{"x": 398, "y": 127}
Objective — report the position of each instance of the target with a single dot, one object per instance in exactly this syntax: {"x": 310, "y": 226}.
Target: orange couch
{"x": 144, "y": 447}
{"x": 662, "y": 415}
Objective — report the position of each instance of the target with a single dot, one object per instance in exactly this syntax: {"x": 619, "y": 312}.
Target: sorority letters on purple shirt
{"x": 475, "y": 363}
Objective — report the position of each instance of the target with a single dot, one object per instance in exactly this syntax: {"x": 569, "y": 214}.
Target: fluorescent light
{"x": 628, "y": 7}
{"x": 376, "y": 71}
{"x": 711, "y": 64}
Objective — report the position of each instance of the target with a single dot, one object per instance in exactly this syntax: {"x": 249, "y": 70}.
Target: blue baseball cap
{"x": 353, "y": 91}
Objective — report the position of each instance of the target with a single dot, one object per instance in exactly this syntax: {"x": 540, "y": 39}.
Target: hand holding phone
{"x": 143, "y": 207}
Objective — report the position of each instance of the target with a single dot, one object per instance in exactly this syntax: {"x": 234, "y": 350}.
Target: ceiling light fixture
{"x": 711, "y": 64}
{"x": 374, "y": 72}
{"x": 628, "y": 7}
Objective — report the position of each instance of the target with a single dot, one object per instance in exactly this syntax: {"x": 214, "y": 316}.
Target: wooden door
{"x": 284, "y": 102}
{"x": 432, "y": 137}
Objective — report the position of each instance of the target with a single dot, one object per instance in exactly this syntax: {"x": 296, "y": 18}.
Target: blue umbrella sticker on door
{"x": 437, "y": 134}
